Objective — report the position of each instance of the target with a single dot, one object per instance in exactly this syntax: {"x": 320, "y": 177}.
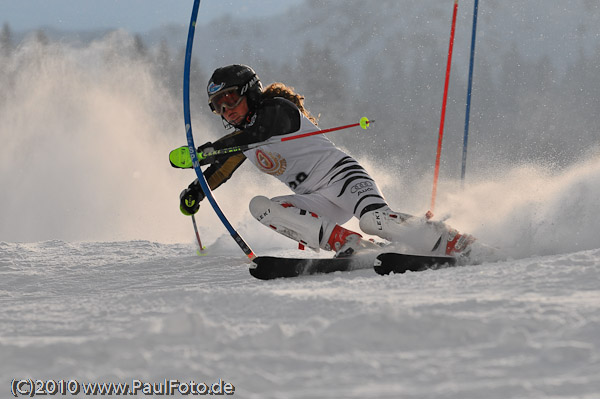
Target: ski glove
{"x": 189, "y": 199}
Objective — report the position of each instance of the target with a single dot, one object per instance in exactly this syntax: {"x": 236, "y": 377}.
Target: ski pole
{"x": 364, "y": 123}
{"x": 180, "y": 157}
{"x": 201, "y": 248}
{"x": 436, "y": 173}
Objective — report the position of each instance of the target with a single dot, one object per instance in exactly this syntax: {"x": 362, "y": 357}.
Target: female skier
{"x": 330, "y": 187}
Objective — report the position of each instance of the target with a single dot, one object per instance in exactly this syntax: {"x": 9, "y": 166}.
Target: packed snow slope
{"x": 99, "y": 280}
{"x": 138, "y": 310}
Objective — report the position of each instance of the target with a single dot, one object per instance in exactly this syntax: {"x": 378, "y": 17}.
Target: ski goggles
{"x": 224, "y": 100}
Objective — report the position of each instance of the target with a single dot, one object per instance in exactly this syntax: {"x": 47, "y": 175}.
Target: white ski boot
{"x": 418, "y": 235}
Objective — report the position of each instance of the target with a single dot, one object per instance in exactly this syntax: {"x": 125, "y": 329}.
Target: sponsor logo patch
{"x": 361, "y": 187}
{"x": 213, "y": 88}
{"x": 271, "y": 163}
{"x": 247, "y": 85}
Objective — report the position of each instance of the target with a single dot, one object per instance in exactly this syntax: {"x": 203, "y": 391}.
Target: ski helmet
{"x": 241, "y": 77}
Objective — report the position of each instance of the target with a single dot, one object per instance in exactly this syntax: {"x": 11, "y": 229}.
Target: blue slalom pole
{"x": 190, "y": 138}
{"x": 468, "y": 111}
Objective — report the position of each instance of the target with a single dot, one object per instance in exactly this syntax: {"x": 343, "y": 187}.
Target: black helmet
{"x": 242, "y": 77}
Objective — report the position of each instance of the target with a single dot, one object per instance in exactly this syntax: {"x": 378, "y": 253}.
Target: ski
{"x": 393, "y": 262}
{"x": 271, "y": 267}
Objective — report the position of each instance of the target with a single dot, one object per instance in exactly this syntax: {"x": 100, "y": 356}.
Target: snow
{"x": 119, "y": 311}
{"x": 99, "y": 279}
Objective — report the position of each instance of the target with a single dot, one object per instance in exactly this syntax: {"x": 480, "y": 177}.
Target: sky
{"x": 131, "y": 15}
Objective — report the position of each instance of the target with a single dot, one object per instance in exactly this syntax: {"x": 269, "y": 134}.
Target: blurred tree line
{"x": 528, "y": 111}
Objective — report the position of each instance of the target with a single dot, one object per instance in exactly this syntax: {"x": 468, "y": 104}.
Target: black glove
{"x": 189, "y": 199}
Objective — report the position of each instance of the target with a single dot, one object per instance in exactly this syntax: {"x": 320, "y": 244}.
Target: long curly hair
{"x": 287, "y": 92}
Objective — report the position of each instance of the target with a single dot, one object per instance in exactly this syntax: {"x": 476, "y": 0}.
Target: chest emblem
{"x": 271, "y": 163}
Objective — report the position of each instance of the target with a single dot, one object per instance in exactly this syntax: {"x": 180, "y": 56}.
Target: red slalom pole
{"x": 436, "y": 173}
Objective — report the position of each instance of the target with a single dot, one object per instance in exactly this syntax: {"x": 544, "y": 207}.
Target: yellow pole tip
{"x": 365, "y": 122}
